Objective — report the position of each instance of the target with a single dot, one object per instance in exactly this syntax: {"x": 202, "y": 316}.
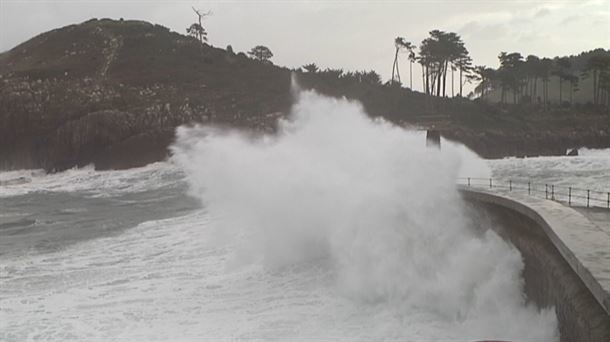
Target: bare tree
{"x": 196, "y": 30}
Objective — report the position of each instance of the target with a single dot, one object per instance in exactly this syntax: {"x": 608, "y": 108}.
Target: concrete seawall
{"x": 566, "y": 257}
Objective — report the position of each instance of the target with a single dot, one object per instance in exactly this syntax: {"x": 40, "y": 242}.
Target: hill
{"x": 111, "y": 92}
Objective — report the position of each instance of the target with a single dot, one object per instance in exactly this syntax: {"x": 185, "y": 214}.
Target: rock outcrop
{"x": 112, "y": 92}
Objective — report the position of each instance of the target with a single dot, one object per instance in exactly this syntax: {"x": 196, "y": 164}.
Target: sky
{"x": 353, "y": 35}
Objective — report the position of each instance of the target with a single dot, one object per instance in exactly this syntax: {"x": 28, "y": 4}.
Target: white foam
{"x": 340, "y": 228}
{"x": 587, "y": 171}
{"x": 86, "y": 179}
{"x": 595, "y": 152}
{"x": 368, "y": 200}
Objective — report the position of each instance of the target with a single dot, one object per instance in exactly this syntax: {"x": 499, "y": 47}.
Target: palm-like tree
{"x": 311, "y": 68}
{"x": 400, "y": 44}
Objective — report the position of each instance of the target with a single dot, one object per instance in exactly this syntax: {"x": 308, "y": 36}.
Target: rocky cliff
{"x": 112, "y": 92}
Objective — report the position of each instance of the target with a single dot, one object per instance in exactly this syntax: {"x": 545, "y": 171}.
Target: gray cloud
{"x": 476, "y": 30}
{"x": 533, "y": 37}
{"x": 542, "y": 13}
{"x": 351, "y": 35}
{"x": 570, "y": 19}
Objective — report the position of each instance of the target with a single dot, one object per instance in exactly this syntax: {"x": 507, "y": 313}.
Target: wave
{"x": 369, "y": 202}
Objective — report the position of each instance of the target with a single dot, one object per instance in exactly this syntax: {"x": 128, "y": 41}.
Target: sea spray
{"x": 366, "y": 200}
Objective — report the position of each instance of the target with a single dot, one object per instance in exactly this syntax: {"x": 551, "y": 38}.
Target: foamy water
{"x": 339, "y": 228}
{"x": 589, "y": 170}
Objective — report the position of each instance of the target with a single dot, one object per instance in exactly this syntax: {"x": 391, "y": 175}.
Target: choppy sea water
{"x": 154, "y": 253}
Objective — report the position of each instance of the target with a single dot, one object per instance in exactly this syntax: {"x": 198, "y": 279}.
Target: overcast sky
{"x": 343, "y": 34}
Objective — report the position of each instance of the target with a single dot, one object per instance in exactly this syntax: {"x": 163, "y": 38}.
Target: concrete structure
{"x": 566, "y": 254}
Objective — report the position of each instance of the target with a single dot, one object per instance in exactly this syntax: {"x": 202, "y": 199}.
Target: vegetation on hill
{"x": 112, "y": 93}
{"x": 562, "y": 80}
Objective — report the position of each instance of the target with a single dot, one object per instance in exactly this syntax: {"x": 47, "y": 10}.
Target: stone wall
{"x": 550, "y": 281}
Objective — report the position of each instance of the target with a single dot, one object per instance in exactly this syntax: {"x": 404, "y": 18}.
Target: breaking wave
{"x": 366, "y": 201}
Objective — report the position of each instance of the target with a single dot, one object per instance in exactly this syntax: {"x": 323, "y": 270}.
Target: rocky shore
{"x": 112, "y": 92}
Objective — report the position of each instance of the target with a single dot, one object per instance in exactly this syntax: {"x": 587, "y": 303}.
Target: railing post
{"x": 469, "y": 181}
{"x": 546, "y": 191}
{"x": 588, "y": 198}
{"x": 553, "y": 192}
{"x": 490, "y": 186}
{"x": 529, "y": 192}
{"x": 510, "y": 185}
{"x": 570, "y": 196}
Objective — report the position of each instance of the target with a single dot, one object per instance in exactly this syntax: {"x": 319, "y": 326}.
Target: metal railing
{"x": 571, "y": 196}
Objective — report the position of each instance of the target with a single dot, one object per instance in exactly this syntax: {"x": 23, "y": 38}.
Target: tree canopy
{"x": 261, "y": 53}
{"x": 520, "y": 77}
{"x": 197, "y": 31}
{"x": 436, "y": 54}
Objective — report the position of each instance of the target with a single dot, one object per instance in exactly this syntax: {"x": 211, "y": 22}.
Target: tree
{"x": 332, "y": 73}
{"x": 546, "y": 66}
{"x": 486, "y": 77}
{"x": 261, "y": 53}
{"x": 511, "y": 73}
{"x": 370, "y": 77}
{"x": 311, "y": 68}
{"x": 604, "y": 88}
{"x": 562, "y": 67}
{"x": 400, "y": 44}
{"x": 412, "y": 60}
{"x": 464, "y": 64}
{"x": 436, "y": 54}
{"x": 532, "y": 70}
{"x": 573, "y": 80}
{"x": 196, "y": 30}
{"x": 598, "y": 65}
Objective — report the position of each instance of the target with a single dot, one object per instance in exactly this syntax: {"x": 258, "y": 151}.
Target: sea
{"x": 336, "y": 228}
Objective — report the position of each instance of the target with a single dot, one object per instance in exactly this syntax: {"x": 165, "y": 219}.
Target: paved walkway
{"x": 599, "y": 216}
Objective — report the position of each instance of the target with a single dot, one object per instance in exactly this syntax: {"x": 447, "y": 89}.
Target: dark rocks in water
{"x": 573, "y": 152}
